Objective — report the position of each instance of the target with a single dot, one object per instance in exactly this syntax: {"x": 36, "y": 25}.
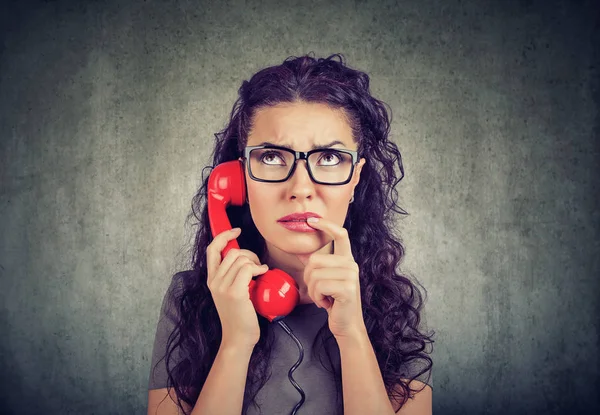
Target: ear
{"x": 241, "y": 159}
{"x": 356, "y": 174}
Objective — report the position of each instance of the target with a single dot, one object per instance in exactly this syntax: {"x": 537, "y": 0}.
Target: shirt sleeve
{"x": 168, "y": 318}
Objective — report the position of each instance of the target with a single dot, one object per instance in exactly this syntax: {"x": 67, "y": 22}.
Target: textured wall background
{"x": 108, "y": 111}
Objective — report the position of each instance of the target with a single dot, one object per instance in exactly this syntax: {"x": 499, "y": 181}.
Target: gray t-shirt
{"x": 278, "y": 395}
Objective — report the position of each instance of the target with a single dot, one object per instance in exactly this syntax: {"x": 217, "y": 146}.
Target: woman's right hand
{"x": 228, "y": 282}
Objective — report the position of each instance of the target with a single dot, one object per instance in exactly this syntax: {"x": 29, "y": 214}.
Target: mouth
{"x": 297, "y": 226}
{"x": 298, "y": 217}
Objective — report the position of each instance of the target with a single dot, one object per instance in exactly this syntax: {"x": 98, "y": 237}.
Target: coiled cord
{"x": 301, "y": 349}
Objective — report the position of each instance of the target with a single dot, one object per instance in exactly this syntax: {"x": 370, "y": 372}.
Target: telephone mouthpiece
{"x": 274, "y": 295}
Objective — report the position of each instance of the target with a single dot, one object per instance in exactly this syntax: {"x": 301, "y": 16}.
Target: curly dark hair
{"x": 391, "y": 303}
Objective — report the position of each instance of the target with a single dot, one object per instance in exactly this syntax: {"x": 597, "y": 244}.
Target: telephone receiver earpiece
{"x": 274, "y": 294}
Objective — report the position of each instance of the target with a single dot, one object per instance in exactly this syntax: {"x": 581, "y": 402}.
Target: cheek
{"x": 337, "y": 203}
{"x": 265, "y": 201}
{"x": 258, "y": 192}
{"x": 261, "y": 200}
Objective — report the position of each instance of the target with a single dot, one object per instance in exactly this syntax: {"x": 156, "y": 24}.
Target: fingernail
{"x": 312, "y": 220}
{"x": 234, "y": 230}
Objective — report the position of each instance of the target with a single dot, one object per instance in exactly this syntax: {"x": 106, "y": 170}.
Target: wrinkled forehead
{"x": 301, "y": 126}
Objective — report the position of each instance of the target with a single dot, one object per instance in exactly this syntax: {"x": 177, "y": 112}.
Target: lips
{"x": 298, "y": 217}
{"x": 298, "y": 226}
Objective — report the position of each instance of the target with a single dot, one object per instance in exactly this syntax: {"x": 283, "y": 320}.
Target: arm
{"x": 420, "y": 403}
{"x": 362, "y": 383}
{"x": 223, "y": 391}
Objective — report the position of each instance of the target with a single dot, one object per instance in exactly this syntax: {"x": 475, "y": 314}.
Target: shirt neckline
{"x": 309, "y": 309}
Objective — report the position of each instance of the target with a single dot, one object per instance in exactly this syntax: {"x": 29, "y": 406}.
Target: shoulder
{"x": 180, "y": 282}
{"x": 420, "y": 400}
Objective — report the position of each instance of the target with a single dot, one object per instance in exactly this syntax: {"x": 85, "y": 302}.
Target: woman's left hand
{"x": 332, "y": 282}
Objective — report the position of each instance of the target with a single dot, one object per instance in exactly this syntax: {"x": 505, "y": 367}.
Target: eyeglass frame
{"x": 300, "y": 155}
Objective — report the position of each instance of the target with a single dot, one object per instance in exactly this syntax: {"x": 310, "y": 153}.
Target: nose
{"x": 301, "y": 186}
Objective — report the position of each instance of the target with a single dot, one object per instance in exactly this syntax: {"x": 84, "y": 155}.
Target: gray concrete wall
{"x": 108, "y": 111}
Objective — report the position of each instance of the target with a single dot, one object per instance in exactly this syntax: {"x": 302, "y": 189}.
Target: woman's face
{"x": 299, "y": 126}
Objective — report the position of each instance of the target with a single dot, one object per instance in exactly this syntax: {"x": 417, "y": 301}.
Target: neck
{"x": 293, "y": 264}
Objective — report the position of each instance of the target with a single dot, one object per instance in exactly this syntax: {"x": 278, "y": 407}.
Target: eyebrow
{"x": 314, "y": 147}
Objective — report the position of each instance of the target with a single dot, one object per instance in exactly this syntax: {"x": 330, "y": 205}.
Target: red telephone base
{"x": 274, "y": 294}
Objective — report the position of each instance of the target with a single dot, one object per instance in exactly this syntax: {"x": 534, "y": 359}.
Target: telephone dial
{"x": 274, "y": 294}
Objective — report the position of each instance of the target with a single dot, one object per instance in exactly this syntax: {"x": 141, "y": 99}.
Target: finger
{"x": 339, "y": 234}
{"x": 324, "y": 291}
{"x": 225, "y": 266}
{"x": 231, "y": 257}
{"x": 214, "y": 249}
{"x": 331, "y": 261}
{"x": 245, "y": 274}
{"x": 316, "y": 277}
{"x": 241, "y": 263}
{"x": 251, "y": 255}
{"x": 315, "y": 261}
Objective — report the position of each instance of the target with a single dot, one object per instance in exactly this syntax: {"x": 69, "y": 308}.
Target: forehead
{"x": 300, "y": 126}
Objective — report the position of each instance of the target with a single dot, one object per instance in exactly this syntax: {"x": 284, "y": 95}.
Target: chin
{"x": 296, "y": 242}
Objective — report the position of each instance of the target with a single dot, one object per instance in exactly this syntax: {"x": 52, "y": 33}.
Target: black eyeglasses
{"x": 274, "y": 164}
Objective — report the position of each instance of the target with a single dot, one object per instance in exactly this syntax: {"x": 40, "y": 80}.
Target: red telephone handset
{"x": 274, "y": 294}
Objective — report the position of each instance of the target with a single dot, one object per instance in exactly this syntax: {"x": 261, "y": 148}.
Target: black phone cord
{"x": 289, "y": 331}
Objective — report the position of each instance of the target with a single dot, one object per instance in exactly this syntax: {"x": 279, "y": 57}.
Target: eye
{"x": 331, "y": 158}
{"x": 271, "y": 157}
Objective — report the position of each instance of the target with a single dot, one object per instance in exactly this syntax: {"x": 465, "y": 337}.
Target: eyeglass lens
{"x": 327, "y": 166}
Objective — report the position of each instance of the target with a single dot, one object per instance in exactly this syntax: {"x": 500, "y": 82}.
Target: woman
{"x": 213, "y": 353}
